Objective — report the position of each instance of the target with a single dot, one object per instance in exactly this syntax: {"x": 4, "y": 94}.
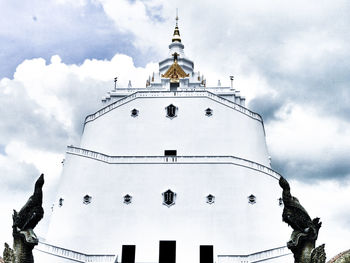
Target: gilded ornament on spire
{"x": 175, "y": 72}
{"x": 176, "y": 35}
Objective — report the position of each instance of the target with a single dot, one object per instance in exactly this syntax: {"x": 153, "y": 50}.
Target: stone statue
{"x": 8, "y": 254}
{"x": 343, "y": 257}
{"x": 24, "y": 238}
{"x": 305, "y": 231}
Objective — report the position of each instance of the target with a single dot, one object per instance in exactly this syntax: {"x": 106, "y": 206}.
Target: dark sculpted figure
{"x": 24, "y": 221}
{"x": 305, "y": 231}
{"x": 343, "y": 257}
{"x": 8, "y": 254}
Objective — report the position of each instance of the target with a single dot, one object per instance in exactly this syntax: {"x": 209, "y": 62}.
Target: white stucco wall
{"x": 232, "y": 225}
{"x": 226, "y": 132}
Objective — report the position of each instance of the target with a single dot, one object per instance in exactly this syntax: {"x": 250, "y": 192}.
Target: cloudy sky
{"x": 291, "y": 59}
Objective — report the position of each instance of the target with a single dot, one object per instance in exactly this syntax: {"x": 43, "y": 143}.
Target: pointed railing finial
{"x": 115, "y": 83}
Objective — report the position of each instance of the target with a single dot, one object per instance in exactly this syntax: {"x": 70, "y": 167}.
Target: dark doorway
{"x": 206, "y": 254}
{"x": 167, "y": 251}
{"x": 170, "y": 153}
{"x": 174, "y": 86}
{"x": 128, "y": 254}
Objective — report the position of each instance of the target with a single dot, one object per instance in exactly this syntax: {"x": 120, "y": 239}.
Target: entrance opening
{"x": 128, "y": 254}
{"x": 170, "y": 153}
{"x": 206, "y": 254}
{"x": 167, "y": 251}
{"x": 174, "y": 86}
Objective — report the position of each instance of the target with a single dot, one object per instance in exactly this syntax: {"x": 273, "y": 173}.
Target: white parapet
{"x": 279, "y": 254}
{"x": 73, "y": 256}
{"x": 172, "y": 159}
{"x": 229, "y": 129}
{"x": 142, "y": 94}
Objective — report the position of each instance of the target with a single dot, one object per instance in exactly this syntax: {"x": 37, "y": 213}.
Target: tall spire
{"x": 176, "y": 35}
{"x": 177, "y": 16}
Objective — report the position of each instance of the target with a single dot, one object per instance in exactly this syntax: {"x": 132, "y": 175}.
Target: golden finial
{"x": 176, "y": 35}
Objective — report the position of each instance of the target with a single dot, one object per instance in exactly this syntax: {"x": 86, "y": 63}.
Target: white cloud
{"x": 76, "y": 3}
{"x": 302, "y": 133}
{"x": 306, "y": 49}
{"x": 60, "y": 88}
{"x": 46, "y": 162}
{"x": 141, "y": 18}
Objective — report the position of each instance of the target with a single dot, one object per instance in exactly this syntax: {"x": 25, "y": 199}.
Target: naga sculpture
{"x": 343, "y": 257}
{"x": 305, "y": 231}
{"x": 24, "y": 221}
{"x": 8, "y": 254}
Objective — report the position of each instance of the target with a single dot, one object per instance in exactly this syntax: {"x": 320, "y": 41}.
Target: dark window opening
{"x": 252, "y": 199}
{"x": 174, "y": 86}
{"x": 170, "y": 152}
{"x": 127, "y": 199}
{"x": 169, "y": 198}
{"x": 60, "y": 202}
{"x": 206, "y": 254}
{"x": 208, "y": 112}
{"x": 134, "y": 113}
{"x": 171, "y": 111}
{"x": 167, "y": 251}
{"x": 87, "y": 199}
{"x": 210, "y": 199}
{"x": 128, "y": 253}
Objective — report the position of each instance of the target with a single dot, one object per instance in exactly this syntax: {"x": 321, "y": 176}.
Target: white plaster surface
{"x": 232, "y": 225}
{"x": 226, "y": 132}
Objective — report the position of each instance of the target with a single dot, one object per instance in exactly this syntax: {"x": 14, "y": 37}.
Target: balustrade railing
{"x": 84, "y": 258}
{"x": 179, "y": 94}
{"x": 74, "y": 255}
{"x": 255, "y": 257}
{"x": 172, "y": 159}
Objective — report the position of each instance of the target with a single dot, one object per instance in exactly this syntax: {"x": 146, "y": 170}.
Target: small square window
{"x": 170, "y": 152}
{"x": 87, "y": 199}
{"x": 208, "y": 112}
{"x": 210, "y": 199}
{"x": 252, "y": 199}
{"x": 134, "y": 113}
{"x": 127, "y": 199}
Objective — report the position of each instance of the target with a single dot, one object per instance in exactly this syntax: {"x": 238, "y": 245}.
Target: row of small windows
{"x": 171, "y": 112}
{"x": 86, "y": 200}
{"x": 169, "y": 199}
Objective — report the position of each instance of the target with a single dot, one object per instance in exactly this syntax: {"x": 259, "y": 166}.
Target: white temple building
{"x": 172, "y": 172}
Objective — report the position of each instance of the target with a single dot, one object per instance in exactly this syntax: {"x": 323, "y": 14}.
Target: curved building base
{"x": 47, "y": 253}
